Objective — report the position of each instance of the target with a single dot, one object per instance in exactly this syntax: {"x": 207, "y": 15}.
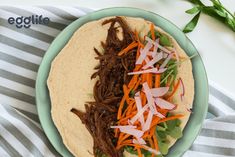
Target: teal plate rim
{"x": 200, "y": 104}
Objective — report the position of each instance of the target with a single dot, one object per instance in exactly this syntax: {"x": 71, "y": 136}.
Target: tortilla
{"x": 70, "y": 85}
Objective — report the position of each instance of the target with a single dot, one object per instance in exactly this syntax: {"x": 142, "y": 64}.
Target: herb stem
{"x": 166, "y": 76}
{"x": 228, "y": 12}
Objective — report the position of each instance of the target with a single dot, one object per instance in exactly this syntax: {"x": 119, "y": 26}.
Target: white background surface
{"x": 214, "y": 41}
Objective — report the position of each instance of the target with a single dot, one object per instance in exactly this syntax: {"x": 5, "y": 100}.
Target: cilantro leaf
{"x": 164, "y": 40}
{"x": 175, "y": 133}
{"x": 192, "y": 24}
{"x": 194, "y": 10}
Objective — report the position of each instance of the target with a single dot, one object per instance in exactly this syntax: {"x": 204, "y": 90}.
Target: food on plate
{"x": 121, "y": 87}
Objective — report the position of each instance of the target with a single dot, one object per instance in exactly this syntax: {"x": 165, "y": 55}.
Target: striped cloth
{"x": 21, "y": 51}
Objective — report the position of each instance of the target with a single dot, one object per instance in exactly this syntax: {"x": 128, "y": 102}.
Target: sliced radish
{"x": 139, "y": 108}
{"x": 138, "y": 115}
{"x": 156, "y": 43}
{"x": 147, "y": 60}
{"x": 149, "y": 97}
{"x": 148, "y": 122}
{"x": 159, "y": 46}
{"x": 163, "y": 104}
{"x": 123, "y": 126}
{"x": 151, "y": 150}
{"x": 157, "y": 92}
{"x": 159, "y": 114}
{"x": 157, "y": 58}
{"x": 134, "y": 132}
{"x": 166, "y": 60}
{"x": 140, "y": 141}
{"x": 143, "y": 53}
{"x": 153, "y": 70}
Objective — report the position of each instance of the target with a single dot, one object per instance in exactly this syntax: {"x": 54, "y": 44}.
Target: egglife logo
{"x": 26, "y": 22}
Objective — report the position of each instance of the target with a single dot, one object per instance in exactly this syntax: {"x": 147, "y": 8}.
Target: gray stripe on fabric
{"x": 59, "y": 12}
{"x": 222, "y": 97}
{"x": 215, "y": 111}
{"x": 27, "y": 31}
{"x": 31, "y": 116}
{"x": 19, "y": 62}
{"x": 22, "y": 12}
{"x": 20, "y": 136}
{"x": 22, "y": 46}
{"x": 218, "y": 134}
{"x": 8, "y": 148}
{"x": 227, "y": 119}
{"x": 33, "y": 127}
{"x": 17, "y": 95}
{"x": 85, "y": 10}
{"x": 17, "y": 78}
{"x": 213, "y": 150}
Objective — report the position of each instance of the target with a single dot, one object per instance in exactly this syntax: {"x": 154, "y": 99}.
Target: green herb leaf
{"x": 221, "y": 13}
{"x": 171, "y": 124}
{"x": 163, "y": 147}
{"x": 160, "y": 128}
{"x": 175, "y": 133}
{"x": 162, "y": 135}
{"x": 131, "y": 150}
{"x": 230, "y": 22}
{"x": 194, "y": 10}
{"x": 146, "y": 153}
{"x": 164, "y": 40}
{"x": 192, "y": 24}
{"x": 132, "y": 93}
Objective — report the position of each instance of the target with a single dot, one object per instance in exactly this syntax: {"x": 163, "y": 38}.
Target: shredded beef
{"x": 112, "y": 74}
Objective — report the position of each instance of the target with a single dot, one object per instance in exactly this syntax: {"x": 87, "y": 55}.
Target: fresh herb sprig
{"x": 216, "y": 10}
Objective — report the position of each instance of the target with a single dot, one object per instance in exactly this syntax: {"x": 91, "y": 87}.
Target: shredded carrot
{"x": 138, "y": 52}
{"x": 139, "y": 152}
{"x": 129, "y": 144}
{"x": 152, "y": 131}
{"x": 151, "y": 143}
{"x": 120, "y": 108}
{"x": 128, "y": 109}
{"x": 127, "y": 117}
{"x": 137, "y": 84}
{"x": 143, "y": 98}
{"x": 128, "y": 48}
{"x": 131, "y": 109}
{"x": 175, "y": 89}
{"x": 157, "y": 80}
{"x": 155, "y": 121}
{"x": 171, "y": 118}
{"x": 133, "y": 81}
{"x": 150, "y": 80}
{"x": 125, "y": 98}
{"x": 155, "y": 142}
{"x": 152, "y": 31}
{"x": 120, "y": 138}
{"x": 126, "y": 93}
{"x": 116, "y": 132}
{"x": 124, "y": 138}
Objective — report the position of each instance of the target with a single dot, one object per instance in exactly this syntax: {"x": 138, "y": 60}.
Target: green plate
{"x": 201, "y": 85}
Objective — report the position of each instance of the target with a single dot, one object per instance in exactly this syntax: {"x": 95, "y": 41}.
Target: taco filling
{"x": 142, "y": 92}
